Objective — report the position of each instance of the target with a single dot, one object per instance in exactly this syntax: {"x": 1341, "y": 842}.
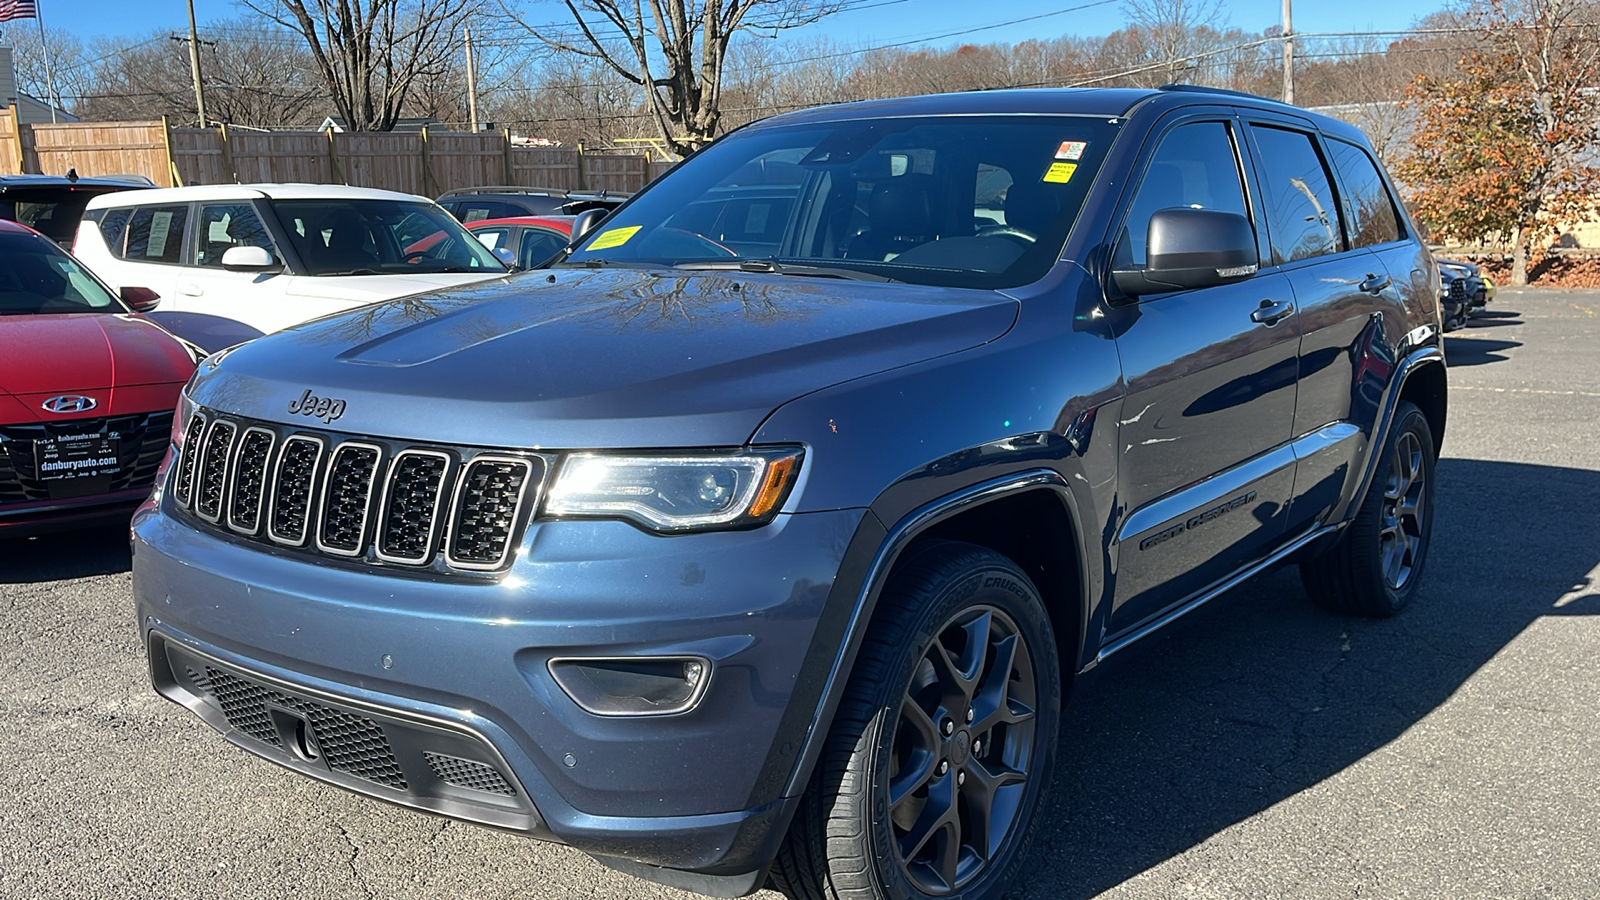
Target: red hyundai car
{"x": 88, "y": 386}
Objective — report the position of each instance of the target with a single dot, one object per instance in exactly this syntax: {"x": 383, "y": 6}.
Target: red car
{"x": 87, "y": 390}
{"x": 529, "y": 240}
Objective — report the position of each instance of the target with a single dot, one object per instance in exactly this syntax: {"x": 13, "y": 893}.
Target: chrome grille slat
{"x": 247, "y": 493}
{"x": 372, "y": 501}
{"x": 347, "y": 498}
{"x": 211, "y": 473}
{"x": 484, "y": 512}
{"x": 183, "y": 486}
{"x": 293, "y": 482}
{"x": 409, "y": 514}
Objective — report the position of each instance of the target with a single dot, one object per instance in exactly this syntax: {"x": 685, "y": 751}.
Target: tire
{"x": 870, "y": 824}
{"x": 1374, "y": 568}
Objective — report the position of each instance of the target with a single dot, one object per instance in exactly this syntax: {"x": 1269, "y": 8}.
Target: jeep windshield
{"x": 37, "y": 278}
{"x": 964, "y": 201}
{"x": 380, "y": 237}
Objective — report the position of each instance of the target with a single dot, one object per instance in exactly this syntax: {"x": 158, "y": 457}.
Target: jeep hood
{"x": 597, "y": 359}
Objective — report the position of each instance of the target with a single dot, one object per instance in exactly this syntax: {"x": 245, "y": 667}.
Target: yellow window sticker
{"x": 1060, "y": 173}
{"x": 616, "y": 237}
{"x": 1072, "y": 149}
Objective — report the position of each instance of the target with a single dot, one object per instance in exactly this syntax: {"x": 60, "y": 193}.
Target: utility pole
{"x": 1288, "y": 54}
{"x": 194, "y": 64}
{"x": 472, "y": 81}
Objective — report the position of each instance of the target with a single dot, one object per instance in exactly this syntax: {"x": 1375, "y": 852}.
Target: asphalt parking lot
{"x": 1262, "y": 749}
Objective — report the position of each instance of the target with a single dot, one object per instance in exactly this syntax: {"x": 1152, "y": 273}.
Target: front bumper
{"x": 458, "y": 669}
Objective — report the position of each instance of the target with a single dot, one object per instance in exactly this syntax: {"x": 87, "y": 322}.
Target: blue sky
{"x": 879, "y": 22}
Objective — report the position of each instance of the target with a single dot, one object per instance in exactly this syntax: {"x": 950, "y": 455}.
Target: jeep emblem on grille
{"x": 325, "y": 408}
{"x": 70, "y": 403}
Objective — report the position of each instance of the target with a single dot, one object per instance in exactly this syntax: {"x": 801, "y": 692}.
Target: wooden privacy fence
{"x": 426, "y": 163}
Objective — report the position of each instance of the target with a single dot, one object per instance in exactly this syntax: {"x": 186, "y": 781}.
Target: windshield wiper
{"x": 354, "y": 272}
{"x": 772, "y": 266}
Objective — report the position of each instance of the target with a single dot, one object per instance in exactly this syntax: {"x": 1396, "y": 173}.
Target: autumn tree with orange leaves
{"x": 1506, "y": 147}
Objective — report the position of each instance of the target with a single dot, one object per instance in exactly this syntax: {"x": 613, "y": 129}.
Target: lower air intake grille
{"x": 350, "y": 743}
{"x": 465, "y": 773}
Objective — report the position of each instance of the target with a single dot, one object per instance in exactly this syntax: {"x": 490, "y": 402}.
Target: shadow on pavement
{"x": 1265, "y": 695}
{"x": 1476, "y": 351}
{"x": 66, "y": 554}
{"x": 1495, "y": 319}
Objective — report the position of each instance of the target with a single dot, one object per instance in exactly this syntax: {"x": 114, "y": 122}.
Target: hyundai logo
{"x": 70, "y": 403}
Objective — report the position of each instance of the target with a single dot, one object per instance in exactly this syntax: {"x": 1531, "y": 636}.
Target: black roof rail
{"x": 521, "y": 190}
{"x": 1202, "y": 89}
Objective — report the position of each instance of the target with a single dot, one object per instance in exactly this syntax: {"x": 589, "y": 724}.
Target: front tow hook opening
{"x": 295, "y": 733}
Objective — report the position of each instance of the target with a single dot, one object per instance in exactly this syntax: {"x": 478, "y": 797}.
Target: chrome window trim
{"x": 516, "y": 509}
{"x": 366, "y": 511}
{"x": 438, "y": 508}
{"x": 233, "y": 479}
{"x": 277, "y": 471}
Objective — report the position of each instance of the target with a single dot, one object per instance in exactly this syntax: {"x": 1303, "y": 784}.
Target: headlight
{"x": 673, "y": 493}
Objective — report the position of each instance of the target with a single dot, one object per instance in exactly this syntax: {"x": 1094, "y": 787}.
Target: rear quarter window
{"x": 155, "y": 234}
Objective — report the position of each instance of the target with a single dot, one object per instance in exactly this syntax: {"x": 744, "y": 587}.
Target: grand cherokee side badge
{"x": 325, "y": 408}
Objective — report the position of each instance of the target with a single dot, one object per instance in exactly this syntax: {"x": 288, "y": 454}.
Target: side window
{"x": 1368, "y": 208}
{"x": 493, "y": 238}
{"x": 155, "y": 234}
{"x": 1299, "y": 201}
{"x": 538, "y": 246}
{"x": 112, "y": 225}
{"x": 224, "y": 226}
{"x": 1195, "y": 166}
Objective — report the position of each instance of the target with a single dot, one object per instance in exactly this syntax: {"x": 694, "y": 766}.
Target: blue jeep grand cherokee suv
{"x": 760, "y": 538}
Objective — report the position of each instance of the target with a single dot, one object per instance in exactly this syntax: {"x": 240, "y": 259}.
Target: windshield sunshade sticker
{"x": 616, "y": 237}
{"x": 1060, "y": 173}
{"x": 1072, "y": 149}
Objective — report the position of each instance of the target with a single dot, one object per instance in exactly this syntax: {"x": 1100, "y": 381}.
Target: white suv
{"x": 232, "y": 262}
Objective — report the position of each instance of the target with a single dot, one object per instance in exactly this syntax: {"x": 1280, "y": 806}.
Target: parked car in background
{"x": 1462, "y": 290}
{"x": 769, "y": 554}
{"x": 233, "y": 262}
{"x": 508, "y": 202}
{"x": 528, "y": 241}
{"x": 87, "y": 390}
{"x": 53, "y": 204}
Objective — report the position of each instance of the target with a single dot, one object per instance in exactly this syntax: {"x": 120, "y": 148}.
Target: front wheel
{"x": 933, "y": 776}
{"x": 1374, "y": 568}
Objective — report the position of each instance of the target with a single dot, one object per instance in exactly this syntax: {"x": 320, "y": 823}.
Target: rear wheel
{"x": 1374, "y": 568}
{"x": 932, "y": 778}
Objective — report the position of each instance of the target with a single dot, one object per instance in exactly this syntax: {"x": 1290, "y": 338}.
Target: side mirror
{"x": 1187, "y": 249}
{"x": 587, "y": 221}
{"x": 505, "y": 255}
{"x": 140, "y": 299}
{"x": 248, "y": 259}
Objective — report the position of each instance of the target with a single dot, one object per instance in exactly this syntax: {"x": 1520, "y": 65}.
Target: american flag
{"x": 17, "y": 9}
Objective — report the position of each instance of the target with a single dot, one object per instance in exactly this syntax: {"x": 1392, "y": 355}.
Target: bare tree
{"x": 371, "y": 53}
{"x": 1172, "y": 32}
{"x": 675, "y": 49}
{"x": 68, "y": 63}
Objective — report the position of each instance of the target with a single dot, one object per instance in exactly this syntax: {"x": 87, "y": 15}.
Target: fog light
{"x": 634, "y": 686}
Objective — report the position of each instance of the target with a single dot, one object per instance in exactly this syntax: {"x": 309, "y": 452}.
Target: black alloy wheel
{"x": 1404, "y": 508}
{"x": 934, "y": 773}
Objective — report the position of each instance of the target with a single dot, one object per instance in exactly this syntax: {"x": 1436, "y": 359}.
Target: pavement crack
{"x": 355, "y": 851}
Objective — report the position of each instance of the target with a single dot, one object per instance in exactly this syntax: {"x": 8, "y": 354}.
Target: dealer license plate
{"x": 77, "y": 456}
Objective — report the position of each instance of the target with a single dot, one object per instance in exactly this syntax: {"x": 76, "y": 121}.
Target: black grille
{"x": 186, "y": 461}
{"x": 348, "y": 742}
{"x": 144, "y": 440}
{"x": 212, "y": 476}
{"x": 1458, "y": 289}
{"x": 291, "y": 489}
{"x": 411, "y": 507}
{"x": 486, "y": 511}
{"x": 250, "y": 480}
{"x": 377, "y": 501}
{"x": 465, "y": 773}
{"x": 346, "y": 498}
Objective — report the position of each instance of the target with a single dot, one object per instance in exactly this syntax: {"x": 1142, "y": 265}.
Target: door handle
{"x": 1271, "y": 313}
{"x": 1375, "y": 284}
{"x": 191, "y": 290}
